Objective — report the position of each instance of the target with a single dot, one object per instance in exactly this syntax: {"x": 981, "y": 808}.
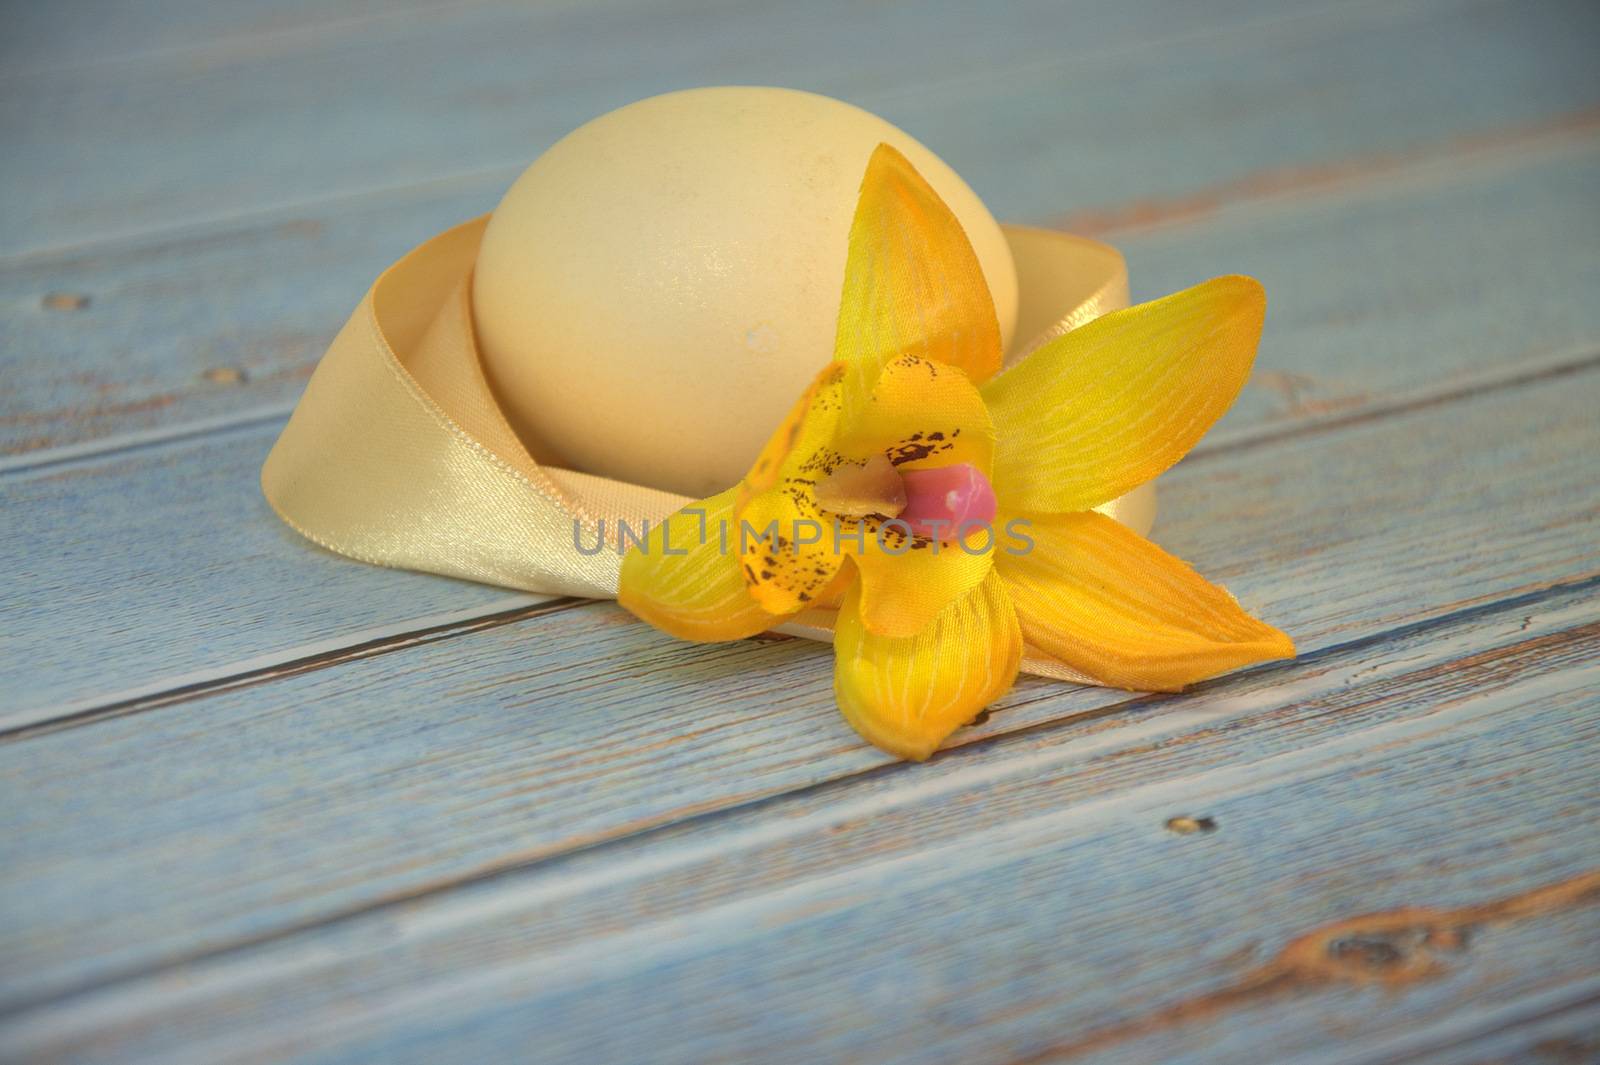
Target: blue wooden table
{"x": 261, "y": 803}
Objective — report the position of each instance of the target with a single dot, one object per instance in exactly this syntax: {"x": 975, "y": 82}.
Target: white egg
{"x": 658, "y": 288}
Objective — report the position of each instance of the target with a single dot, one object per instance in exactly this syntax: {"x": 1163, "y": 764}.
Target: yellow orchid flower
{"x": 914, "y": 419}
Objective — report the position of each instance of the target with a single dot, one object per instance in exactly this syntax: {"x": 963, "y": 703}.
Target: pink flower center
{"x": 940, "y": 502}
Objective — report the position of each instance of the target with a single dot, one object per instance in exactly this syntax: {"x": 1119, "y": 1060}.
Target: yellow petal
{"x": 907, "y": 695}
{"x": 921, "y": 414}
{"x": 683, "y": 582}
{"x": 809, "y": 424}
{"x": 786, "y": 548}
{"x": 780, "y": 538}
{"x": 912, "y": 283}
{"x": 1112, "y": 605}
{"x": 906, "y": 583}
{"x": 832, "y": 596}
{"x": 1106, "y": 407}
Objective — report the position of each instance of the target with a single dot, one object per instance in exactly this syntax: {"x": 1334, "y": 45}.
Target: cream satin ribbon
{"x": 399, "y": 455}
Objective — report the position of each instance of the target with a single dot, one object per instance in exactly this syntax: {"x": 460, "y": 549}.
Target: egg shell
{"x": 656, "y": 290}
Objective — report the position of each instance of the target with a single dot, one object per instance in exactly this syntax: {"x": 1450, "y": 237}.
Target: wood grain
{"x": 259, "y": 803}
{"x": 527, "y": 740}
{"x": 1020, "y": 900}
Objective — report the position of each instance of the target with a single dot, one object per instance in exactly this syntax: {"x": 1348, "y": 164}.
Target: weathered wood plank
{"x": 483, "y": 785}
{"x": 1020, "y": 899}
{"x": 225, "y": 817}
{"x": 566, "y": 833}
{"x": 195, "y": 325}
{"x": 167, "y": 569}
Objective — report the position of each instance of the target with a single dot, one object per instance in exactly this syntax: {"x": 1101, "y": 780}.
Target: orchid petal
{"x": 908, "y": 581}
{"x": 683, "y": 581}
{"x": 1106, "y": 407}
{"x": 907, "y": 695}
{"x": 810, "y": 424}
{"x": 787, "y": 549}
{"x": 912, "y": 283}
{"x": 1112, "y": 605}
{"x": 921, "y": 414}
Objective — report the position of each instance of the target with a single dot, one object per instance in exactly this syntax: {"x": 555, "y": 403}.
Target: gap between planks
{"x": 517, "y": 608}
{"x": 1573, "y": 594}
{"x": 353, "y": 647}
{"x": 1568, "y": 611}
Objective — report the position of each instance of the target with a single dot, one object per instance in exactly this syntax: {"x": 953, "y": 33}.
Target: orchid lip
{"x": 943, "y": 501}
